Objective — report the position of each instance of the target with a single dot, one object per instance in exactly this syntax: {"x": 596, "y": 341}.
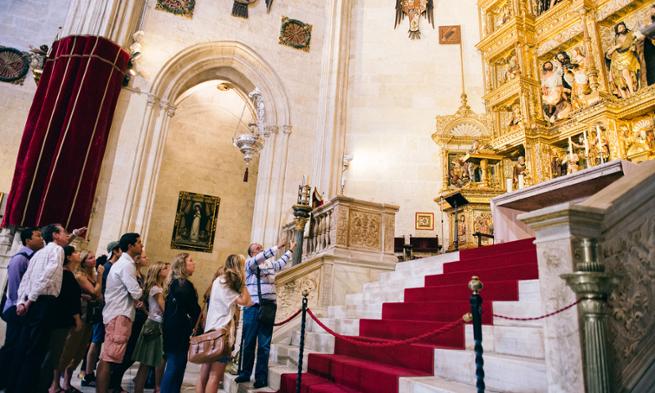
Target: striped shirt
{"x": 267, "y": 269}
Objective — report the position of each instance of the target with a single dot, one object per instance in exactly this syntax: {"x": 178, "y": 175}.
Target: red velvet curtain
{"x": 66, "y": 133}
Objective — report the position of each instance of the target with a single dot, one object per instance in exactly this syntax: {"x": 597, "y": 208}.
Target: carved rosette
{"x": 364, "y": 230}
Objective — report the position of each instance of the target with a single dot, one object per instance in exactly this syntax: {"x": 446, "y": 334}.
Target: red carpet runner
{"x": 444, "y": 298}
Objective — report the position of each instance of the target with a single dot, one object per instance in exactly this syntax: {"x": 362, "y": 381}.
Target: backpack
{"x": 4, "y": 293}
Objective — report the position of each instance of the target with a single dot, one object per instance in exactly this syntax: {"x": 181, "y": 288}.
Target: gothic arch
{"x": 223, "y": 59}
{"x": 202, "y": 62}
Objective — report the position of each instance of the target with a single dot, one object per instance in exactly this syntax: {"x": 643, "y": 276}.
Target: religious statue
{"x": 624, "y": 64}
{"x": 649, "y": 45}
{"x": 513, "y": 68}
{"x": 580, "y": 80}
{"x": 459, "y": 172}
{"x": 519, "y": 173}
{"x": 516, "y": 118}
{"x": 414, "y": 9}
{"x": 555, "y": 104}
{"x": 558, "y": 162}
{"x": 572, "y": 164}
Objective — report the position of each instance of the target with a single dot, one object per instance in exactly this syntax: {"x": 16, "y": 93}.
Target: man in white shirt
{"x": 38, "y": 289}
{"x": 122, "y": 296}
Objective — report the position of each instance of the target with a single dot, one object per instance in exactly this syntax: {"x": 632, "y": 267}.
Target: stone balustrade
{"x": 348, "y": 242}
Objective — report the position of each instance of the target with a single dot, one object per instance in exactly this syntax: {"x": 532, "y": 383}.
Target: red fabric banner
{"x": 66, "y": 133}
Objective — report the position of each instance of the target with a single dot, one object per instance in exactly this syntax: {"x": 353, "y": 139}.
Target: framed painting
{"x": 424, "y": 221}
{"x": 195, "y": 222}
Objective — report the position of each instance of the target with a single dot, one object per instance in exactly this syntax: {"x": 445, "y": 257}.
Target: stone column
{"x": 558, "y": 231}
{"x": 112, "y": 19}
{"x": 330, "y": 134}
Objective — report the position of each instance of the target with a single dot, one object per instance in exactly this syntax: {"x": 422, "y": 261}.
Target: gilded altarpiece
{"x": 470, "y": 167}
{"x": 569, "y": 83}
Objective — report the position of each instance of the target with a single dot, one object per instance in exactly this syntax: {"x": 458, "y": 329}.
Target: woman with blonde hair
{"x": 228, "y": 290}
{"x": 149, "y": 350}
{"x": 180, "y": 315}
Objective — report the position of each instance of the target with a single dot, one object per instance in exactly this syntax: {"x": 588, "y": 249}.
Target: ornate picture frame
{"x": 424, "y": 221}
{"x": 195, "y": 222}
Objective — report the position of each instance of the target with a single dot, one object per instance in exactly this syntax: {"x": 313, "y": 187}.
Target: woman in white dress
{"x": 228, "y": 290}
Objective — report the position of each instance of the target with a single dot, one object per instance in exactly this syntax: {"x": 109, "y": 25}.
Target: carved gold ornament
{"x": 414, "y": 9}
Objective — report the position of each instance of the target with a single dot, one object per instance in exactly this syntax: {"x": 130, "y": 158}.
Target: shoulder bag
{"x": 210, "y": 346}
{"x": 267, "y": 308}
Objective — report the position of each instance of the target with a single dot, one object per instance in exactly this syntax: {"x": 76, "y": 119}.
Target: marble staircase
{"x": 514, "y": 350}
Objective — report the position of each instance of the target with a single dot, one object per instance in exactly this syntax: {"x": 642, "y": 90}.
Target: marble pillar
{"x": 559, "y": 230}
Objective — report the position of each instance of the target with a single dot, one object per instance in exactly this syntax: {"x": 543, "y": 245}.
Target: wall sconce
{"x": 345, "y": 164}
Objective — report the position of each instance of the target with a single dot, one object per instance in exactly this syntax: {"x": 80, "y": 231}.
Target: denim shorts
{"x": 98, "y": 335}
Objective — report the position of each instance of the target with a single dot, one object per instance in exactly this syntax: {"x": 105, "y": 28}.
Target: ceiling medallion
{"x": 177, "y": 7}
{"x": 295, "y": 34}
{"x": 14, "y": 65}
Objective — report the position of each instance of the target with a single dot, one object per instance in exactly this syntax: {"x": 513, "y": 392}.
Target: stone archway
{"x": 238, "y": 63}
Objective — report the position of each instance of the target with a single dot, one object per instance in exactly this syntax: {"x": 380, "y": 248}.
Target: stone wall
{"x": 22, "y": 23}
{"x": 199, "y": 158}
{"x": 396, "y": 88}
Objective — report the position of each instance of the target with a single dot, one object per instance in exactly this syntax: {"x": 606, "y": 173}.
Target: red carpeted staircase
{"x": 443, "y": 299}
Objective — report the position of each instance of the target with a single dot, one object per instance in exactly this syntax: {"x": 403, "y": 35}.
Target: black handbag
{"x": 94, "y": 311}
{"x": 267, "y": 308}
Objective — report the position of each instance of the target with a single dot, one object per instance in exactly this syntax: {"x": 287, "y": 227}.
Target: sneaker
{"x": 89, "y": 381}
{"x": 258, "y": 385}
{"x": 241, "y": 379}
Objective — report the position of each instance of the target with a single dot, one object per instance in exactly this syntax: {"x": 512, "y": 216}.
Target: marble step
{"x": 230, "y": 386}
{"x": 509, "y": 340}
{"x": 317, "y": 342}
{"x": 511, "y": 374}
{"x": 374, "y": 297}
{"x": 396, "y": 283}
{"x": 520, "y": 309}
{"x": 287, "y": 355}
{"x": 357, "y": 311}
{"x": 418, "y": 264}
{"x": 433, "y": 385}
{"x": 347, "y": 326}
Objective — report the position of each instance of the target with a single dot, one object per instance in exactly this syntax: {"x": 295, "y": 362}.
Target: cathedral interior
{"x": 405, "y": 145}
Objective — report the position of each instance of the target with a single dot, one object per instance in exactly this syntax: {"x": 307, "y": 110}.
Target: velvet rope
{"x": 288, "y": 319}
{"x": 391, "y": 343}
{"x": 539, "y": 317}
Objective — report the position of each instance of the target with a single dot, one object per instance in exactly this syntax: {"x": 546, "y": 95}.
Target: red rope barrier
{"x": 388, "y": 343}
{"x": 288, "y": 319}
{"x": 541, "y": 317}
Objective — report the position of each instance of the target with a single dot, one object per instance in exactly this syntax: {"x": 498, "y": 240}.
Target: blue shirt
{"x": 15, "y": 271}
{"x": 267, "y": 273}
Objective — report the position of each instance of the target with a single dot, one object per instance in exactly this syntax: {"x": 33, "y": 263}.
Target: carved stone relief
{"x": 364, "y": 230}
{"x": 630, "y": 256}
{"x": 389, "y": 221}
{"x": 290, "y": 294}
{"x": 341, "y": 226}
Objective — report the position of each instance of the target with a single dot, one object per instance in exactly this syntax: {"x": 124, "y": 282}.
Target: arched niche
{"x": 239, "y": 64}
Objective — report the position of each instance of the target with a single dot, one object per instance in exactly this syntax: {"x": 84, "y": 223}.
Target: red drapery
{"x": 66, "y": 133}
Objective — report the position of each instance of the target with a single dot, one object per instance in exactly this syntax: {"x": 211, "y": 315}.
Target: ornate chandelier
{"x": 251, "y": 141}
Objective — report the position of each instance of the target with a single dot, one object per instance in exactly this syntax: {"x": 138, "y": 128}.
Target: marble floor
{"x": 190, "y": 378}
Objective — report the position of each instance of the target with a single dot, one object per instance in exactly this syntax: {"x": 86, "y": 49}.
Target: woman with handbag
{"x": 149, "y": 350}
{"x": 228, "y": 290}
{"x": 180, "y": 315}
{"x": 77, "y": 341}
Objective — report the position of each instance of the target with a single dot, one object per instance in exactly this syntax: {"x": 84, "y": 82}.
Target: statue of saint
{"x": 519, "y": 173}
{"x": 515, "y": 119}
{"x": 624, "y": 63}
{"x": 572, "y": 164}
{"x": 555, "y": 105}
{"x": 581, "y": 86}
{"x": 649, "y": 45}
{"x": 513, "y": 68}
